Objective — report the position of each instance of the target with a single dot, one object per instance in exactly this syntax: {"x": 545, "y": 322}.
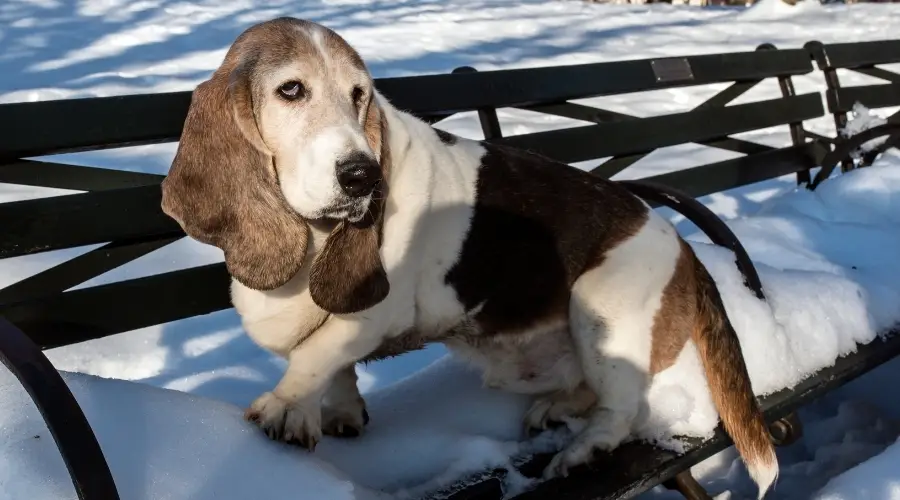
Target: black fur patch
{"x": 538, "y": 224}
{"x": 446, "y": 137}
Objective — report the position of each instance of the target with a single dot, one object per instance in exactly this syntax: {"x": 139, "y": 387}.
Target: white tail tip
{"x": 764, "y": 474}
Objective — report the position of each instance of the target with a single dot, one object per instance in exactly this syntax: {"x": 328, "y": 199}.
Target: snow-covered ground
{"x": 170, "y": 425}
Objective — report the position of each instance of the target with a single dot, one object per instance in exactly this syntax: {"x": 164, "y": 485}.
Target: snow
{"x": 765, "y": 10}
{"x": 166, "y": 400}
{"x": 876, "y": 479}
{"x": 826, "y": 290}
{"x": 862, "y": 119}
{"x": 138, "y": 439}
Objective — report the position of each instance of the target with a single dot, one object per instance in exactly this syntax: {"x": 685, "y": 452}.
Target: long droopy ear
{"x": 347, "y": 275}
{"x": 223, "y": 190}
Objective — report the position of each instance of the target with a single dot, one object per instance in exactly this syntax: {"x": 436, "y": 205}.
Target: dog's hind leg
{"x": 612, "y": 312}
{"x": 557, "y": 406}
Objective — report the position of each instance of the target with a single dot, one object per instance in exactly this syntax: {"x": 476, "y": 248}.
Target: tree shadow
{"x": 64, "y": 45}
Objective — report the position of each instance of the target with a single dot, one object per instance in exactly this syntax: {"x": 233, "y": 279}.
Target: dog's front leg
{"x": 344, "y": 409}
{"x": 292, "y": 411}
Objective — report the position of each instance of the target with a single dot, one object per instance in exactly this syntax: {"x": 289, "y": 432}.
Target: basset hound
{"x": 354, "y": 231}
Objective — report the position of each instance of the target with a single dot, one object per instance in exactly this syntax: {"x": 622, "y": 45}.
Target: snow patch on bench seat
{"x": 827, "y": 261}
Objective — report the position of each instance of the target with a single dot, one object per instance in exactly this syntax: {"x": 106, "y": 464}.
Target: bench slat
{"x": 71, "y": 125}
{"x": 862, "y": 54}
{"x": 646, "y": 134}
{"x": 77, "y": 270}
{"x": 40, "y": 225}
{"x": 871, "y": 96}
{"x": 529, "y": 86}
{"x": 72, "y": 317}
{"x": 595, "y": 115}
{"x": 32, "y": 129}
{"x": 742, "y": 171}
{"x": 75, "y": 177}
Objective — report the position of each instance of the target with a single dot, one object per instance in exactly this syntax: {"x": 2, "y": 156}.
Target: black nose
{"x": 358, "y": 176}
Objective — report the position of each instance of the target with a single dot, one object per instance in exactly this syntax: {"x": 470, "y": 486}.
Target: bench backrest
{"x": 861, "y": 57}
{"x": 121, "y": 209}
{"x": 864, "y": 58}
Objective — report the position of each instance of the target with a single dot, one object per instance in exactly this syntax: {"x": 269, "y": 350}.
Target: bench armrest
{"x": 69, "y": 427}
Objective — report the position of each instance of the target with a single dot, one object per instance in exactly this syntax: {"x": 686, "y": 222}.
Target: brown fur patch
{"x": 221, "y": 188}
{"x": 347, "y": 276}
{"x": 674, "y": 322}
{"x": 537, "y": 226}
{"x": 339, "y": 49}
{"x": 726, "y": 374}
{"x": 410, "y": 340}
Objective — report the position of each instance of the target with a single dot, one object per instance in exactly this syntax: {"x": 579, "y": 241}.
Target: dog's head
{"x": 286, "y": 131}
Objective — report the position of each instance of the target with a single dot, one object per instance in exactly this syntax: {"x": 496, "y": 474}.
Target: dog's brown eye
{"x": 357, "y": 95}
{"x": 291, "y": 90}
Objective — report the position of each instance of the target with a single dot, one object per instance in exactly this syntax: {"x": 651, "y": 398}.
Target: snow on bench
{"x": 827, "y": 260}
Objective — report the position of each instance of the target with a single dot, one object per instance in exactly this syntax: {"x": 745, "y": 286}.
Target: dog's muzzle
{"x": 358, "y": 175}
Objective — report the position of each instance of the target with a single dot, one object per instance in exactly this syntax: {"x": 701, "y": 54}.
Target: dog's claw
{"x": 346, "y": 420}
{"x": 286, "y": 421}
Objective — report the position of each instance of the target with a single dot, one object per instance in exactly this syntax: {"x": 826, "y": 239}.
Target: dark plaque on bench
{"x": 672, "y": 69}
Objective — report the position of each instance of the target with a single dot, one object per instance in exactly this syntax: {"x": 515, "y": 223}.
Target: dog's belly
{"x": 537, "y": 361}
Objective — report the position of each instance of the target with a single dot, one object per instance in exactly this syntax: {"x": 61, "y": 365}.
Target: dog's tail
{"x": 729, "y": 382}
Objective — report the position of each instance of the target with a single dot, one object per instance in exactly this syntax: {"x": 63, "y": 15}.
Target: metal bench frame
{"x": 864, "y": 58}
{"x": 120, "y": 209}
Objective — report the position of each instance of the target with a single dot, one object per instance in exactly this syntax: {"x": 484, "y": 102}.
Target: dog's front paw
{"x": 581, "y": 451}
{"x": 295, "y": 422}
{"x": 346, "y": 418}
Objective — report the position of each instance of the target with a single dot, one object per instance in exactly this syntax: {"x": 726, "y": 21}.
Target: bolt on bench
{"x": 120, "y": 210}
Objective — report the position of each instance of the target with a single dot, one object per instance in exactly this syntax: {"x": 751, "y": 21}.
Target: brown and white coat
{"x": 353, "y": 231}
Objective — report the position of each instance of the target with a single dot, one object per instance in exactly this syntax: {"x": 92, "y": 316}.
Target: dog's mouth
{"x": 351, "y": 210}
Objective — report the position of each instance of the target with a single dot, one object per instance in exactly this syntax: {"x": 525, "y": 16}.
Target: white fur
{"x": 312, "y": 189}
{"x": 310, "y": 136}
{"x": 278, "y": 320}
{"x": 612, "y": 313}
{"x": 764, "y": 475}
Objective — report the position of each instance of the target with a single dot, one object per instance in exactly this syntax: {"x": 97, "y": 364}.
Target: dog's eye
{"x": 291, "y": 90}
{"x": 357, "y": 95}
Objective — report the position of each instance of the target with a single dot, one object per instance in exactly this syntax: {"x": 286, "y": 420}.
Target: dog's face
{"x": 311, "y": 95}
{"x": 285, "y": 131}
